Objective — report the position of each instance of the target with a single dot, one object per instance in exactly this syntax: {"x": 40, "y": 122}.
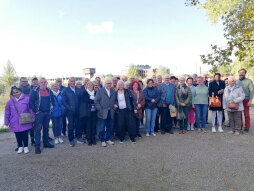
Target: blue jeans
{"x": 201, "y": 111}
{"x": 137, "y": 126}
{"x": 102, "y": 123}
{"x": 42, "y": 120}
{"x": 150, "y": 119}
{"x": 73, "y": 124}
{"x": 57, "y": 126}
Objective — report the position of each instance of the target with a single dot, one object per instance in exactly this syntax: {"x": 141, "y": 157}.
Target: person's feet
{"x": 110, "y": 142}
{"x": 72, "y": 143}
{"x": 48, "y": 145}
{"x": 220, "y": 129}
{"x": 237, "y": 133}
{"x": 147, "y": 134}
{"x": 213, "y": 130}
{"x": 133, "y": 141}
{"x": 180, "y": 132}
{"x": 139, "y": 136}
{"x": 37, "y": 150}
{"x": 80, "y": 140}
{"x": 204, "y": 131}
{"x": 188, "y": 128}
{"x": 184, "y": 131}
{"x": 32, "y": 142}
{"x": 163, "y": 132}
{"x": 192, "y": 128}
{"x": 199, "y": 130}
{"x": 50, "y": 139}
{"x": 246, "y": 130}
{"x": 103, "y": 144}
{"x": 153, "y": 134}
{"x": 171, "y": 132}
{"x": 26, "y": 150}
{"x": 56, "y": 141}
{"x": 60, "y": 140}
{"x": 20, "y": 150}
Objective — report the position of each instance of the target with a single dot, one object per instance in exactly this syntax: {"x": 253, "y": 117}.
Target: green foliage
{"x": 162, "y": 70}
{"x": 109, "y": 75}
{"x": 237, "y": 17}
{"x": 132, "y": 71}
{"x": 9, "y": 77}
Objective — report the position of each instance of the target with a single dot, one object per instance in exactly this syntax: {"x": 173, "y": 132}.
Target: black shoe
{"x": 90, "y": 143}
{"x": 50, "y": 139}
{"x": 72, "y": 143}
{"x": 246, "y": 130}
{"x": 163, "y": 132}
{"x": 16, "y": 149}
{"x": 48, "y": 145}
{"x": 133, "y": 141}
{"x": 37, "y": 151}
{"x": 139, "y": 136}
{"x": 171, "y": 132}
{"x": 32, "y": 142}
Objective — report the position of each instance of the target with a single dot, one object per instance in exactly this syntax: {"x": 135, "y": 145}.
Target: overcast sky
{"x": 60, "y": 37}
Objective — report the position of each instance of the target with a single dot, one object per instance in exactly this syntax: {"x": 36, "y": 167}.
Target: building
{"x": 65, "y": 80}
{"x": 89, "y": 72}
{"x": 144, "y": 71}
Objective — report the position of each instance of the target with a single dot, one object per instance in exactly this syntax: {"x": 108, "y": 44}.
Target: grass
{"x": 2, "y": 107}
{"x": 4, "y": 129}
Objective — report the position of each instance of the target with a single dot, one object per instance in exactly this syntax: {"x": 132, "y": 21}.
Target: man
{"x": 59, "y": 81}
{"x": 86, "y": 80}
{"x": 24, "y": 85}
{"x": 206, "y": 83}
{"x": 124, "y": 78}
{"x": 132, "y": 79}
{"x": 98, "y": 79}
{"x": 195, "y": 82}
{"x": 41, "y": 102}
{"x": 166, "y": 119}
{"x": 114, "y": 81}
{"x": 71, "y": 101}
{"x": 104, "y": 102}
{"x": 248, "y": 89}
{"x": 35, "y": 83}
{"x": 162, "y": 89}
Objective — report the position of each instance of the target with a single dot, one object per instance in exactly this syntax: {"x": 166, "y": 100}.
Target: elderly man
{"x": 104, "y": 102}
{"x": 71, "y": 101}
{"x": 98, "y": 79}
{"x": 61, "y": 88}
{"x": 166, "y": 119}
{"x": 24, "y": 86}
{"x": 195, "y": 82}
{"x": 247, "y": 86}
{"x": 114, "y": 81}
{"x": 124, "y": 78}
{"x": 41, "y": 102}
{"x": 132, "y": 79}
{"x": 35, "y": 83}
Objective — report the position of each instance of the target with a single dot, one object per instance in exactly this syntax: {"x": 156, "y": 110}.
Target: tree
{"x": 162, "y": 70}
{"x": 133, "y": 71}
{"x": 237, "y": 19}
{"x": 9, "y": 77}
{"x": 109, "y": 75}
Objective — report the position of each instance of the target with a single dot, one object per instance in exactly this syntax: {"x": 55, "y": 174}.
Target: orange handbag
{"x": 214, "y": 101}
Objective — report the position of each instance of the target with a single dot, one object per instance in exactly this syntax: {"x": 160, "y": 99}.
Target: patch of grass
{"x": 4, "y": 129}
{"x": 2, "y": 107}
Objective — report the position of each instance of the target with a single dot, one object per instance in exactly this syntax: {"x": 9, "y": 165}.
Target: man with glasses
{"x": 24, "y": 86}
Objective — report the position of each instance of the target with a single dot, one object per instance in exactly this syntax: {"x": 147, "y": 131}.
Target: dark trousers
{"x": 166, "y": 119}
{"x": 42, "y": 120}
{"x": 31, "y": 132}
{"x": 126, "y": 120}
{"x": 91, "y": 127}
{"x": 235, "y": 120}
{"x": 105, "y": 128}
{"x": 73, "y": 124}
{"x": 64, "y": 123}
{"x": 22, "y": 138}
{"x": 157, "y": 120}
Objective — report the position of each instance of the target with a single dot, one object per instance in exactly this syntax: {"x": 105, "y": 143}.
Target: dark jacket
{"x": 85, "y": 104}
{"x": 25, "y": 89}
{"x": 186, "y": 99}
{"x": 104, "y": 103}
{"x": 58, "y": 107}
{"x": 140, "y": 100}
{"x": 151, "y": 93}
{"x": 71, "y": 100}
{"x": 35, "y": 100}
{"x": 214, "y": 87}
{"x": 128, "y": 100}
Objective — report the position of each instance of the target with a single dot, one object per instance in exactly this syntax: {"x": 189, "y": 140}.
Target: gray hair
{"x": 126, "y": 83}
{"x": 182, "y": 78}
{"x": 167, "y": 76}
{"x": 120, "y": 82}
{"x": 107, "y": 80}
{"x": 231, "y": 78}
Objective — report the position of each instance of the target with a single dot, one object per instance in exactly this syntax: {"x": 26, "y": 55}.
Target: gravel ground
{"x": 190, "y": 162}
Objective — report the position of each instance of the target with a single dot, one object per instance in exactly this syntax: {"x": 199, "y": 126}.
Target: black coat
{"x": 130, "y": 105}
{"x": 71, "y": 100}
{"x": 214, "y": 87}
{"x": 85, "y": 104}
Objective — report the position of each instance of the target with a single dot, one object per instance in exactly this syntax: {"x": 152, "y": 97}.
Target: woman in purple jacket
{"x": 11, "y": 117}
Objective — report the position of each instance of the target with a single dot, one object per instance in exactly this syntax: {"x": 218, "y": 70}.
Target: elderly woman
{"x": 233, "y": 103}
{"x": 183, "y": 101}
{"x": 104, "y": 103}
{"x": 88, "y": 111}
{"x": 152, "y": 97}
{"x": 127, "y": 85}
{"x": 200, "y": 103}
{"x": 217, "y": 87}
{"x": 18, "y": 104}
{"x": 139, "y": 101}
{"x": 191, "y": 111}
{"x": 78, "y": 84}
{"x": 125, "y": 112}
{"x": 57, "y": 112}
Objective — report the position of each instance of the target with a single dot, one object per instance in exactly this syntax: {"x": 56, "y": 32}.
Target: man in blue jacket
{"x": 41, "y": 102}
{"x": 71, "y": 101}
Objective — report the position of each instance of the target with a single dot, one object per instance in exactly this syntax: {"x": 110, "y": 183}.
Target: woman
{"x": 234, "y": 94}
{"x": 19, "y": 103}
{"x": 78, "y": 84}
{"x": 125, "y": 110}
{"x": 200, "y": 103}
{"x": 183, "y": 100}
{"x": 152, "y": 97}
{"x": 217, "y": 87}
{"x": 191, "y": 111}
{"x": 139, "y": 101}
{"x": 126, "y": 85}
{"x": 56, "y": 115}
{"x": 88, "y": 111}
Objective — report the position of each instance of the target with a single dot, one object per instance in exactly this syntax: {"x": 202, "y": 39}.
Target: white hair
{"x": 182, "y": 78}
{"x": 126, "y": 83}
{"x": 107, "y": 80}
{"x": 167, "y": 76}
{"x": 231, "y": 78}
{"x": 120, "y": 82}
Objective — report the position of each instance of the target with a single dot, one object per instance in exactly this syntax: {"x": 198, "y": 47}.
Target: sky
{"x": 59, "y": 38}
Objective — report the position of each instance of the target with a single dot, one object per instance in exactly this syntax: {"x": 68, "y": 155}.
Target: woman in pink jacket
{"x": 11, "y": 118}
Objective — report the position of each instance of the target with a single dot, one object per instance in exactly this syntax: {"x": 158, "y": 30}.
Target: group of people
{"x": 118, "y": 107}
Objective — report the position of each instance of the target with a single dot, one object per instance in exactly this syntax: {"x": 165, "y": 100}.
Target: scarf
{"x": 182, "y": 93}
{"x": 56, "y": 93}
{"x": 91, "y": 94}
{"x": 230, "y": 89}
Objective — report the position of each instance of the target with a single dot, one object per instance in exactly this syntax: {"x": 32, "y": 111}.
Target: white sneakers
{"x": 153, "y": 134}
{"x": 20, "y": 150}
{"x": 188, "y": 128}
{"x": 26, "y": 150}
{"x": 213, "y": 130}
{"x": 110, "y": 142}
{"x": 147, "y": 135}
{"x": 58, "y": 140}
{"x": 103, "y": 144}
{"x": 219, "y": 129}
{"x": 192, "y": 128}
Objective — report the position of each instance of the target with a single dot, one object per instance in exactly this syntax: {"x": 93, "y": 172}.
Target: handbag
{"x": 24, "y": 118}
{"x": 180, "y": 115}
{"x": 233, "y": 106}
{"x": 214, "y": 101}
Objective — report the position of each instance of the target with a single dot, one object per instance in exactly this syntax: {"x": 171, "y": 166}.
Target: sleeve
{"x": 177, "y": 98}
{"x": 210, "y": 89}
{"x": 251, "y": 87}
{"x": 32, "y": 101}
{"x": 65, "y": 101}
{"x": 224, "y": 103}
{"x": 7, "y": 113}
{"x": 142, "y": 99}
{"x": 163, "y": 94}
{"x": 147, "y": 98}
{"x": 193, "y": 95}
{"x": 241, "y": 96}
{"x": 97, "y": 100}
{"x": 157, "y": 99}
